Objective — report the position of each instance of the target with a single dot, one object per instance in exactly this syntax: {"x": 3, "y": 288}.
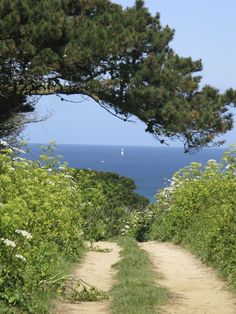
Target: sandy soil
{"x": 96, "y": 270}
{"x": 196, "y": 288}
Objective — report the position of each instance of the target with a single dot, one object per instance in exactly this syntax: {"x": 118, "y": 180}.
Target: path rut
{"x": 96, "y": 270}
{"x": 196, "y": 288}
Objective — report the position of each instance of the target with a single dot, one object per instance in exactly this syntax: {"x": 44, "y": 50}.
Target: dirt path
{"x": 96, "y": 270}
{"x": 196, "y": 288}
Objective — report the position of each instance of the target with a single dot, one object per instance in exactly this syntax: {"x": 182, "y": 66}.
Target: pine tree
{"x": 121, "y": 58}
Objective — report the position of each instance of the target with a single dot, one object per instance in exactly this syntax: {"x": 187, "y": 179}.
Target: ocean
{"x": 149, "y": 167}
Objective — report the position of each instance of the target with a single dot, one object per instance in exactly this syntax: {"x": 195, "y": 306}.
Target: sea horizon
{"x": 149, "y": 166}
{"x": 128, "y": 145}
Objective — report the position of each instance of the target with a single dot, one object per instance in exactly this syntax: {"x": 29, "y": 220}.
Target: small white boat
{"x": 122, "y": 152}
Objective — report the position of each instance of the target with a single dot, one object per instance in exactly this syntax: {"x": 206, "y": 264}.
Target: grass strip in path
{"x": 136, "y": 291}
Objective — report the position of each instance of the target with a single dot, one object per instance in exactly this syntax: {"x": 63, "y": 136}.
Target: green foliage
{"x": 108, "y": 202}
{"x": 119, "y": 191}
{"x": 136, "y": 291}
{"x": 198, "y": 211}
{"x": 119, "y": 57}
{"x": 39, "y": 226}
{"x": 138, "y": 224}
{"x": 46, "y": 210}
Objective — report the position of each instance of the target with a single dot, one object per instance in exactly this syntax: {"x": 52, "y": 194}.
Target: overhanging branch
{"x": 64, "y": 90}
{"x": 75, "y": 90}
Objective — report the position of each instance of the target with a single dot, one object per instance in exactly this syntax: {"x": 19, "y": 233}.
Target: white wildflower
{"x": 24, "y": 233}
{"x": 68, "y": 176}
{"x": 165, "y": 192}
{"x": 18, "y": 159}
{"x": 212, "y": 160}
{"x": 8, "y": 242}
{"x": 4, "y": 143}
{"x": 49, "y": 169}
{"x": 20, "y": 257}
{"x": 174, "y": 181}
{"x": 21, "y": 151}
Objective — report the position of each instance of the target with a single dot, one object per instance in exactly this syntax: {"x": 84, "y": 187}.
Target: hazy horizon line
{"x": 125, "y": 145}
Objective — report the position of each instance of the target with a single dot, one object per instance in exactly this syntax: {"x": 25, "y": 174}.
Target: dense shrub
{"x": 138, "y": 224}
{"x": 109, "y": 203}
{"x": 199, "y": 211}
{"x": 120, "y": 191}
{"x": 40, "y": 225}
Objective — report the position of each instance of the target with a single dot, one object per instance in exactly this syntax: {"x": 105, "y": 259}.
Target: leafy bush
{"x": 138, "y": 224}
{"x": 199, "y": 211}
{"x": 120, "y": 191}
{"x": 40, "y": 225}
{"x": 108, "y": 202}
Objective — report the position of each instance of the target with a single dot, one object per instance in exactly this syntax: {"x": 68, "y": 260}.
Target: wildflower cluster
{"x": 138, "y": 224}
{"x": 16, "y": 246}
{"x": 8, "y": 242}
{"x": 24, "y": 233}
{"x": 125, "y": 230}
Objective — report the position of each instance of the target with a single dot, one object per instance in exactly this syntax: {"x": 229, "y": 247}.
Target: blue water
{"x": 150, "y": 167}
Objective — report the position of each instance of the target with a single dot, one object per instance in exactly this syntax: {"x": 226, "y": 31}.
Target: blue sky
{"x": 203, "y": 30}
